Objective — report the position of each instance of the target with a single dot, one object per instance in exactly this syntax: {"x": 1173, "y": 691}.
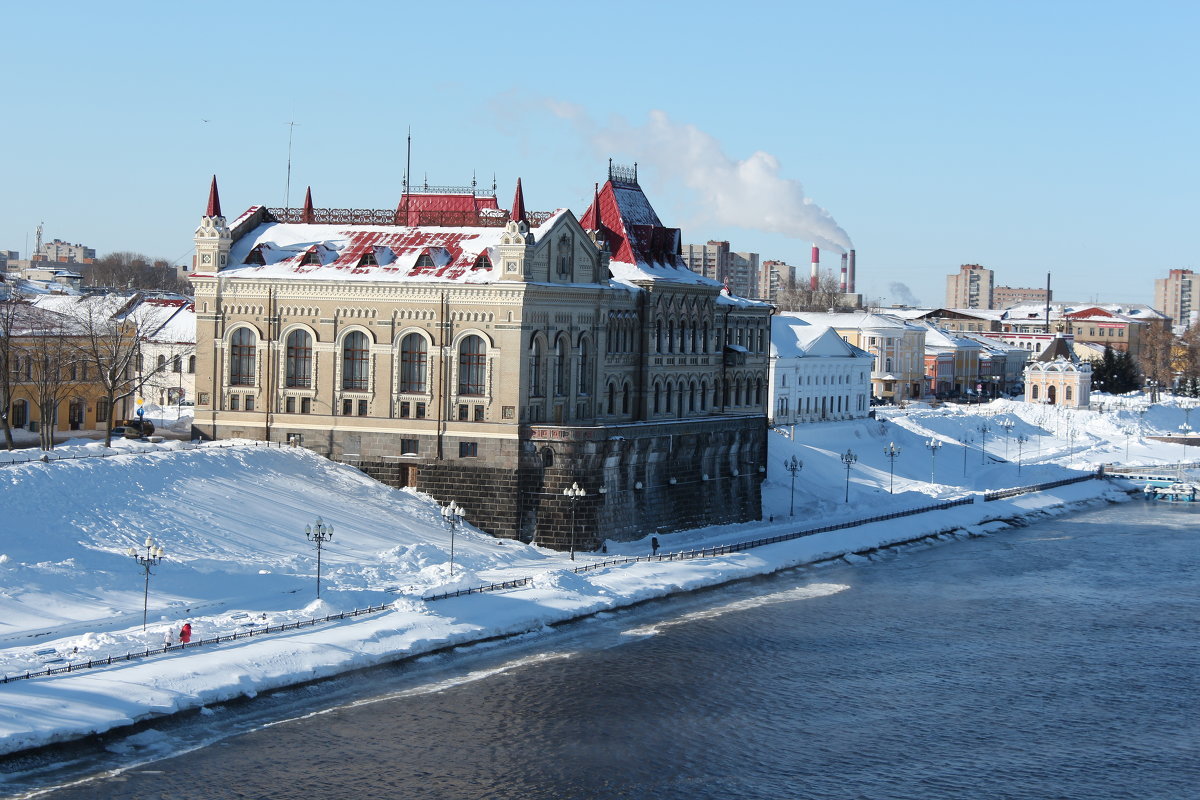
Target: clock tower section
{"x": 213, "y": 237}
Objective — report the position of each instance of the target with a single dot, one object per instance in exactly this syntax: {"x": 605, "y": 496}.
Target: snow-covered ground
{"x": 231, "y": 518}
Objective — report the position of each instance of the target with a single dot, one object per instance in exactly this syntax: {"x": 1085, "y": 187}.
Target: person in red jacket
{"x": 185, "y": 633}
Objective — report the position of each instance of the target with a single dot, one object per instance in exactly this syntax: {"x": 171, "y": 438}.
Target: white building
{"x": 815, "y": 374}
{"x": 168, "y": 363}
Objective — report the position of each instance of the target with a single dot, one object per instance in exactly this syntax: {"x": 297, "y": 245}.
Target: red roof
{"x": 442, "y": 209}
{"x": 214, "y": 200}
{"x": 635, "y": 233}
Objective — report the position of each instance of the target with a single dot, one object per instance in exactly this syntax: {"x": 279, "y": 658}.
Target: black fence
{"x": 92, "y": 663}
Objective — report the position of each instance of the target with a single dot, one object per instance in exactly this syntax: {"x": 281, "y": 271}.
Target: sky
{"x": 1028, "y": 137}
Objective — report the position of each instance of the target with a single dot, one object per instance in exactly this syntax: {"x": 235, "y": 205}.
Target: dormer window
{"x": 425, "y": 260}
{"x": 483, "y": 262}
{"x": 368, "y": 260}
{"x": 256, "y": 257}
{"x": 311, "y": 258}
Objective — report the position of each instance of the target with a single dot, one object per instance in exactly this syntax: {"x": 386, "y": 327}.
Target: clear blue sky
{"x": 1024, "y": 136}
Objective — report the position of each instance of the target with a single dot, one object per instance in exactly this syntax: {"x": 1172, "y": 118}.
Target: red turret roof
{"x": 307, "y": 214}
{"x": 635, "y": 233}
{"x": 214, "y": 200}
{"x": 518, "y": 206}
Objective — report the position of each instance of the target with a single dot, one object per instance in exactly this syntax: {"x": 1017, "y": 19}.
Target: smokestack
{"x": 850, "y": 276}
{"x": 843, "y": 284}
{"x": 816, "y": 268}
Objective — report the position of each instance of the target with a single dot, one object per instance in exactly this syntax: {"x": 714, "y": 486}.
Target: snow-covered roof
{"x": 862, "y": 320}
{"x": 794, "y": 338}
{"x": 1083, "y": 312}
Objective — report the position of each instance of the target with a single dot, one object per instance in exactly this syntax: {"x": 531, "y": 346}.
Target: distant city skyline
{"x": 1024, "y": 138}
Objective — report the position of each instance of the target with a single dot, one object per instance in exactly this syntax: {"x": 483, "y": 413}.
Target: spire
{"x": 518, "y": 206}
{"x": 214, "y": 201}
{"x": 591, "y": 220}
{"x": 307, "y": 214}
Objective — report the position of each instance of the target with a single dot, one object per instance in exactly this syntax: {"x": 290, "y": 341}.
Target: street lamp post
{"x": 983, "y": 432}
{"x": 933, "y": 445}
{"x": 320, "y": 533}
{"x": 966, "y": 443}
{"x": 1007, "y": 425}
{"x": 848, "y": 458}
{"x": 452, "y": 514}
{"x": 573, "y": 493}
{"x": 793, "y": 465}
{"x": 891, "y": 451}
{"x": 154, "y": 554}
{"x": 1021, "y": 440}
{"x": 1185, "y": 431}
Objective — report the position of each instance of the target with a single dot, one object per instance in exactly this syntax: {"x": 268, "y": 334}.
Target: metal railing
{"x": 92, "y": 663}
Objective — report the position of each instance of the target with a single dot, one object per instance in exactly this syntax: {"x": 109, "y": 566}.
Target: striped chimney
{"x": 850, "y": 275}
{"x": 843, "y": 284}
{"x": 816, "y": 268}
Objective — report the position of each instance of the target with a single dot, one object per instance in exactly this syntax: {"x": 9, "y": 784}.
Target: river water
{"x": 1059, "y": 660}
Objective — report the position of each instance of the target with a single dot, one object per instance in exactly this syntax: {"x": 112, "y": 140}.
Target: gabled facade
{"x": 898, "y": 347}
{"x": 1057, "y": 376}
{"x": 494, "y": 360}
{"x": 816, "y": 375}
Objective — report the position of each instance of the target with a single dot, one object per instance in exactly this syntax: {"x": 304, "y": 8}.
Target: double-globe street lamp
{"x": 891, "y": 451}
{"x": 933, "y": 445}
{"x": 1008, "y": 425}
{"x": 574, "y": 493}
{"x": 154, "y": 554}
{"x": 793, "y": 465}
{"x": 452, "y": 515}
{"x": 319, "y": 533}
{"x": 848, "y": 458}
{"x": 1021, "y": 440}
{"x": 983, "y": 432}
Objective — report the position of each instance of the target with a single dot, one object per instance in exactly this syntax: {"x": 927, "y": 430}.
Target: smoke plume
{"x": 750, "y": 193}
{"x": 900, "y": 293}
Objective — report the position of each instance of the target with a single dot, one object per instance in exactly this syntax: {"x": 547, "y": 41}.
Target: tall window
{"x": 355, "y": 361}
{"x": 585, "y": 367}
{"x": 299, "y": 360}
{"x": 535, "y": 368}
{"x": 472, "y": 366}
{"x": 191, "y": 365}
{"x": 413, "y": 356}
{"x": 241, "y": 358}
{"x": 561, "y": 359}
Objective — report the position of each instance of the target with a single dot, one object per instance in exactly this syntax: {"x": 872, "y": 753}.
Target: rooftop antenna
{"x": 287, "y": 187}
{"x": 408, "y": 162}
{"x": 1047, "y": 302}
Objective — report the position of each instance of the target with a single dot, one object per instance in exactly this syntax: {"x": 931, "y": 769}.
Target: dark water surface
{"x": 1054, "y": 661}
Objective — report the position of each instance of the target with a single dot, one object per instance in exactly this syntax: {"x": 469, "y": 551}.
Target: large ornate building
{"x": 491, "y": 357}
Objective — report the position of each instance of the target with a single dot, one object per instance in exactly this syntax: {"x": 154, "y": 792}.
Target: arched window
{"x": 413, "y": 357}
{"x": 658, "y": 336}
{"x": 162, "y": 362}
{"x": 191, "y": 365}
{"x": 241, "y": 358}
{"x": 561, "y": 360}
{"x": 758, "y": 392}
{"x": 298, "y": 370}
{"x": 703, "y": 395}
{"x": 585, "y": 367}
{"x": 657, "y": 398}
{"x": 670, "y": 396}
{"x": 535, "y": 368}
{"x": 612, "y": 399}
{"x": 704, "y": 337}
{"x": 1069, "y": 392}
{"x": 1034, "y": 394}
{"x": 692, "y": 398}
{"x": 472, "y": 366}
{"x": 355, "y": 361}
{"x": 625, "y": 399}
{"x": 671, "y": 336}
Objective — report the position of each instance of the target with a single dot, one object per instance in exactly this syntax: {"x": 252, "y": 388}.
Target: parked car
{"x": 136, "y": 428}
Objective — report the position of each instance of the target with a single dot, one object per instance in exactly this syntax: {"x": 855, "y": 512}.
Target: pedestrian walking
{"x": 654, "y": 545}
{"x": 185, "y": 633}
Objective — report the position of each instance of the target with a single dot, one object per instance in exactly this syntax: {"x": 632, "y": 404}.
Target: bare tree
{"x": 129, "y": 270}
{"x": 801, "y": 297}
{"x": 1154, "y": 359}
{"x": 51, "y": 366}
{"x": 13, "y": 313}
{"x": 109, "y": 337}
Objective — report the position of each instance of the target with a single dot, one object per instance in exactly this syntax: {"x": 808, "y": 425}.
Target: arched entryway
{"x": 1051, "y": 394}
